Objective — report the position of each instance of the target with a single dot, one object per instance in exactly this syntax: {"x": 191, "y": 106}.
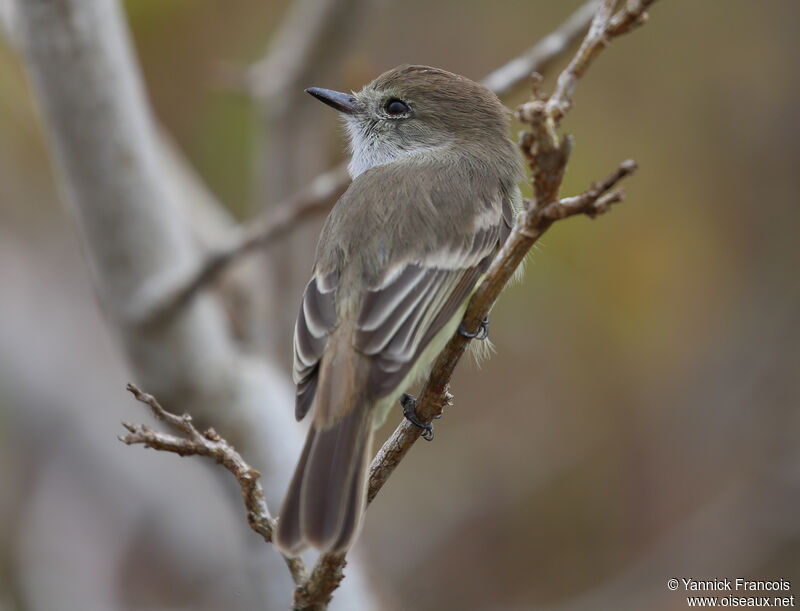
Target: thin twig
{"x": 604, "y": 27}
{"x": 595, "y": 200}
{"x": 633, "y": 15}
{"x": 210, "y": 444}
{"x": 169, "y": 296}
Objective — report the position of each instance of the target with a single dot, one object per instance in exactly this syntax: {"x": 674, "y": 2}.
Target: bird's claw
{"x": 480, "y": 334}
{"x": 409, "y": 404}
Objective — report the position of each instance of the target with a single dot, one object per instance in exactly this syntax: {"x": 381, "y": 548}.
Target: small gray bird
{"x": 433, "y": 197}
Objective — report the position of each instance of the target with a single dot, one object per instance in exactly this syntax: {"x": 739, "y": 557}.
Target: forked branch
{"x": 190, "y": 442}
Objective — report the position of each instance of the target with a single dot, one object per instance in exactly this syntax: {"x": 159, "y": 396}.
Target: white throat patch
{"x": 368, "y": 152}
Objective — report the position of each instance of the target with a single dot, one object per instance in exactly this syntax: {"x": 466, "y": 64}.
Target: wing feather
{"x": 379, "y": 305}
{"x": 433, "y": 289}
{"x": 440, "y": 248}
{"x": 315, "y": 322}
{"x": 373, "y": 339}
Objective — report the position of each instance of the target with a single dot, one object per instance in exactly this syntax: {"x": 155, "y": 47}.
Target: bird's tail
{"x": 326, "y": 498}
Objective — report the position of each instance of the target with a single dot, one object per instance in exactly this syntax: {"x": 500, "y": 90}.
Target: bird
{"x": 434, "y": 195}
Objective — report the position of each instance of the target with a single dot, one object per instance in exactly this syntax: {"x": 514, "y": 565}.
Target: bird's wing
{"x": 444, "y": 234}
{"x": 315, "y": 322}
{"x": 403, "y": 312}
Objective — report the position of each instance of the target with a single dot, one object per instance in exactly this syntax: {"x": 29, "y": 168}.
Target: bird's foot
{"x": 409, "y": 404}
{"x": 481, "y": 333}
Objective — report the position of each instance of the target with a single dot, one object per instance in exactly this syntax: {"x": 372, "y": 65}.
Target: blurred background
{"x": 638, "y": 422}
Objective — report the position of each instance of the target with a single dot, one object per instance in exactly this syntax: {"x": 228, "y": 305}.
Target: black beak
{"x": 343, "y": 102}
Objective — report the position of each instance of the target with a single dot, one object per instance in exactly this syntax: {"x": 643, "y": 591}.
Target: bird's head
{"x": 418, "y": 109}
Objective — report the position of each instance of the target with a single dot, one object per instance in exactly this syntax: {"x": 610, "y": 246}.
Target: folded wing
{"x": 401, "y": 311}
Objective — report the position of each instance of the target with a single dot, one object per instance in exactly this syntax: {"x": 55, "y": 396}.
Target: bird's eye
{"x": 395, "y": 107}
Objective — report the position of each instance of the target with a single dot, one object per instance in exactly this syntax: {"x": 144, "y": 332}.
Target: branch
{"x": 127, "y": 210}
{"x": 535, "y": 221}
{"x": 594, "y": 201}
{"x": 328, "y": 572}
{"x": 435, "y": 396}
{"x": 167, "y": 296}
{"x": 211, "y": 445}
{"x": 105, "y": 147}
{"x": 547, "y": 155}
{"x": 505, "y": 79}
{"x": 309, "y": 32}
{"x": 604, "y": 27}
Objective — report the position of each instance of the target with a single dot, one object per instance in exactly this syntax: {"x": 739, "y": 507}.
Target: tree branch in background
{"x": 106, "y": 148}
{"x": 209, "y": 444}
{"x": 310, "y": 30}
{"x": 310, "y": 44}
{"x": 115, "y": 175}
{"x": 324, "y": 190}
{"x": 265, "y": 230}
{"x": 505, "y": 79}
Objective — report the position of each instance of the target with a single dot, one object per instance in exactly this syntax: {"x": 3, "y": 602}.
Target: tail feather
{"x": 354, "y": 510}
{"x": 288, "y": 535}
{"x": 325, "y": 501}
{"x": 334, "y": 479}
